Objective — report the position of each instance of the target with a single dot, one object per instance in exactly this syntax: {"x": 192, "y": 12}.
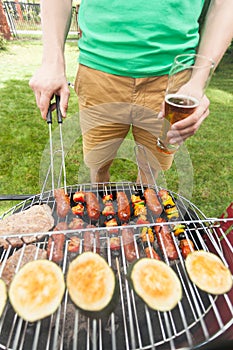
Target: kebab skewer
{"x": 186, "y": 245}
{"x": 110, "y": 221}
{"x": 146, "y": 237}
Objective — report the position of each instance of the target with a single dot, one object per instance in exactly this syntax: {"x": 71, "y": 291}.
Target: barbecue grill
{"x": 198, "y": 319}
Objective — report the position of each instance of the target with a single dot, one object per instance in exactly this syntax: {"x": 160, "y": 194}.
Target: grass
{"x": 205, "y": 176}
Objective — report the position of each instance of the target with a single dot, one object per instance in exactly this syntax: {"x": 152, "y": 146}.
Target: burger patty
{"x": 37, "y": 218}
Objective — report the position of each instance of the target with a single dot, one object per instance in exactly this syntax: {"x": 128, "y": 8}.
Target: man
{"x": 126, "y": 51}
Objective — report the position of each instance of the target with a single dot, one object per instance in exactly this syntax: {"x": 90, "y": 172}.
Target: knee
{"x": 100, "y": 174}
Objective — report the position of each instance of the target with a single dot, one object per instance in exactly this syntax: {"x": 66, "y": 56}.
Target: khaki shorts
{"x": 111, "y": 105}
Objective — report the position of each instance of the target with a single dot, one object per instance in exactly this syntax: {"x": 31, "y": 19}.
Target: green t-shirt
{"x": 137, "y": 38}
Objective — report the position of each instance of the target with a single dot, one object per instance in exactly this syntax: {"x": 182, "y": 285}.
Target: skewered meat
{"x": 115, "y": 243}
{"x": 91, "y": 240}
{"x": 76, "y": 224}
{"x": 63, "y": 202}
{"x": 152, "y": 201}
{"x": 108, "y": 205}
{"x": 139, "y": 205}
{"x": 151, "y": 253}
{"x": 186, "y": 247}
{"x": 165, "y": 240}
{"x": 74, "y": 244}
{"x": 170, "y": 207}
{"x": 128, "y": 244}
{"x": 55, "y": 247}
{"x": 93, "y": 207}
{"x": 147, "y": 239}
{"x": 61, "y": 226}
{"x": 56, "y": 243}
{"x": 123, "y": 206}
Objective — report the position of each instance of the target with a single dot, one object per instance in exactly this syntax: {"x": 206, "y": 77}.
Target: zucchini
{"x": 37, "y": 289}
{"x": 3, "y": 296}
{"x": 92, "y": 285}
{"x": 208, "y": 272}
{"x": 155, "y": 283}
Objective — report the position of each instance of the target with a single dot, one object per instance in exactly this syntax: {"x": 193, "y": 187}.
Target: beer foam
{"x": 181, "y": 97}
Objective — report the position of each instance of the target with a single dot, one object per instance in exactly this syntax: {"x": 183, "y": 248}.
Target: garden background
{"x": 24, "y": 135}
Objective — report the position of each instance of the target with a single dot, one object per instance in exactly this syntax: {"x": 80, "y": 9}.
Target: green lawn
{"x": 24, "y": 137}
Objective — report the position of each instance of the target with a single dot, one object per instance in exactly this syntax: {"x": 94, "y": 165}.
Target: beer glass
{"x": 188, "y": 79}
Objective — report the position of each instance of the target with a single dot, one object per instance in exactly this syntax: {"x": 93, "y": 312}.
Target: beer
{"x": 183, "y": 79}
{"x": 177, "y": 107}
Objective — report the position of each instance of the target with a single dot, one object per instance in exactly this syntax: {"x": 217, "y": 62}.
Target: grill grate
{"x": 197, "y": 319}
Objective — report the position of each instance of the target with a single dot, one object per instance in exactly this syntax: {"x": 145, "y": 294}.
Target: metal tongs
{"x": 52, "y": 152}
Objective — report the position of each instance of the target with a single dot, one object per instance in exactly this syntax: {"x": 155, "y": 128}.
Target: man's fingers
{"x": 64, "y": 99}
{"x": 178, "y": 135}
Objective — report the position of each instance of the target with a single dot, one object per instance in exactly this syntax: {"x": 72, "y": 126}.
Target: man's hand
{"x": 187, "y": 127}
{"x": 46, "y": 83}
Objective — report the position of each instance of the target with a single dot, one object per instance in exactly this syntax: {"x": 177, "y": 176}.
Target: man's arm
{"x": 216, "y": 36}
{"x": 51, "y": 79}
{"x": 217, "y": 31}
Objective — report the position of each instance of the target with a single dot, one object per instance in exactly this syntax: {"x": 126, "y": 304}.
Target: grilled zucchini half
{"x": 155, "y": 283}
{"x": 37, "y": 289}
{"x": 3, "y": 296}
{"x": 208, "y": 272}
{"x": 92, "y": 285}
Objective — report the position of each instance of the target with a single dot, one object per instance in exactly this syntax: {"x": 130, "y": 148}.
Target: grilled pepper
{"x": 147, "y": 232}
{"x": 172, "y": 213}
{"x": 107, "y": 198}
{"x": 78, "y": 209}
{"x": 178, "y": 229}
{"x": 79, "y": 197}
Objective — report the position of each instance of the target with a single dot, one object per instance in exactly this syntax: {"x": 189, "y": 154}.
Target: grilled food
{"x": 92, "y": 285}
{"x": 147, "y": 239}
{"x": 63, "y": 202}
{"x": 3, "y": 296}
{"x": 123, "y": 206}
{"x": 56, "y": 243}
{"x": 22, "y": 256}
{"x": 139, "y": 205}
{"x": 93, "y": 207}
{"x": 108, "y": 205}
{"x": 170, "y": 207}
{"x": 74, "y": 244}
{"x": 152, "y": 201}
{"x": 155, "y": 283}
{"x": 55, "y": 247}
{"x": 208, "y": 272}
{"x": 186, "y": 247}
{"x": 78, "y": 197}
{"x": 37, "y": 218}
{"x": 128, "y": 243}
{"x": 165, "y": 240}
{"x": 91, "y": 240}
{"x": 36, "y": 291}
